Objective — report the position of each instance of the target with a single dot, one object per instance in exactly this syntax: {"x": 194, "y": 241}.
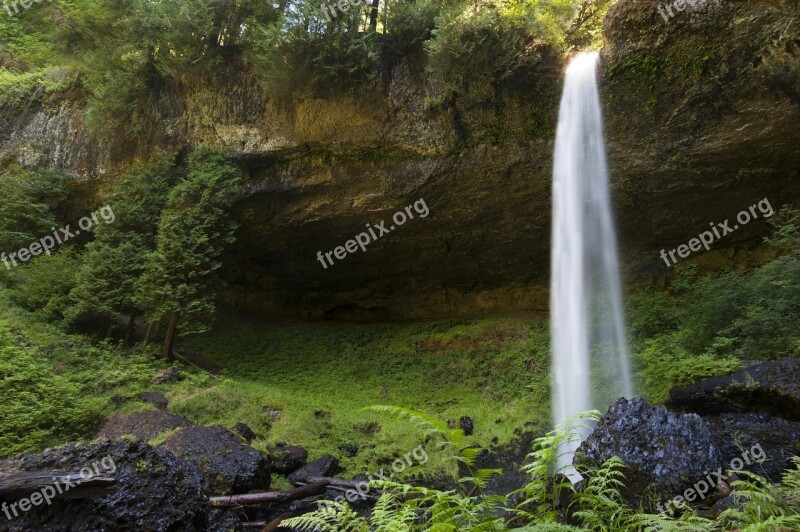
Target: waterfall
{"x": 589, "y": 349}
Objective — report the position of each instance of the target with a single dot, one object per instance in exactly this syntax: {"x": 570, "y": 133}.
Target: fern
{"x": 336, "y": 517}
{"x": 760, "y": 506}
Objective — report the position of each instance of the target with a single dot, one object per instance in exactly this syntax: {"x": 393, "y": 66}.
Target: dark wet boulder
{"x": 467, "y": 425}
{"x": 244, "y": 431}
{"x": 321, "y": 467}
{"x": 228, "y": 465}
{"x": 141, "y": 425}
{"x": 770, "y": 387}
{"x": 153, "y": 491}
{"x": 287, "y": 458}
{"x": 154, "y": 398}
{"x": 664, "y": 451}
{"x": 756, "y": 442}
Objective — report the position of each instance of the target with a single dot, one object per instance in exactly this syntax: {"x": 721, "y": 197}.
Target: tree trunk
{"x": 373, "y": 16}
{"x": 110, "y": 328}
{"x": 147, "y": 334}
{"x": 169, "y": 341}
{"x": 131, "y": 325}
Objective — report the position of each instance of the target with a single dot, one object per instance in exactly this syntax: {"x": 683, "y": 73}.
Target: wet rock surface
{"x": 663, "y": 449}
{"x": 141, "y": 425}
{"x": 154, "y": 398}
{"x": 227, "y": 465}
{"x": 321, "y": 467}
{"x": 153, "y": 491}
{"x": 770, "y": 387}
{"x": 287, "y": 458}
{"x": 756, "y": 442}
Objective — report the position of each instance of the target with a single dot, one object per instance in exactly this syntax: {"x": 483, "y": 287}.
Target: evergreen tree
{"x": 193, "y": 231}
{"x": 115, "y": 259}
{"x": 26, "y": 212}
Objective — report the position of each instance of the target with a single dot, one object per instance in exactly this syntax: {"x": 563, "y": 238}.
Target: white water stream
{"x": 589, "y": 350}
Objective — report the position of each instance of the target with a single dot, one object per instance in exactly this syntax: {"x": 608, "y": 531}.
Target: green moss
{"x": 320, "y": 375}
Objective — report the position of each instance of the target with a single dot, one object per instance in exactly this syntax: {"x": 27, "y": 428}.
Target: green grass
{"x": 57, "y": 387}
{"x": 319, "y": 376}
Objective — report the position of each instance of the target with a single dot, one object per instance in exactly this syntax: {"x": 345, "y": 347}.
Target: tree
{"x": 193, "y": 231}
{"x": 26, "y": 212}
{"x": 115, "y": 259}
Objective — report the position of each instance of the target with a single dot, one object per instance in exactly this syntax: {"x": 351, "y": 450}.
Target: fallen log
{"x": 275, "y": 524}
{"x": 233, "y": 501}
{"x": 64, "y": 485}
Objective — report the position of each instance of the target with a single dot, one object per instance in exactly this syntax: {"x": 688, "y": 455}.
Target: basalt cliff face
{"x": 702, "y": 118}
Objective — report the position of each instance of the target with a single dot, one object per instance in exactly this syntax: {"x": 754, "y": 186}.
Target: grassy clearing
{"x": 316, "y": 378}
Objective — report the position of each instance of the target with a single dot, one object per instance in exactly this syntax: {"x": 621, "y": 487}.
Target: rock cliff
{"x": 702, "y": 113}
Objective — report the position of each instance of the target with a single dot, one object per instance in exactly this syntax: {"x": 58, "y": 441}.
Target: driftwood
{"x": 72, "y": 485}
{"x": 235, "y": 501}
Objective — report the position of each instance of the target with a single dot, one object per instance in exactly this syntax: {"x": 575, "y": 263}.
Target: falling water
{"x": 590, "y": 356}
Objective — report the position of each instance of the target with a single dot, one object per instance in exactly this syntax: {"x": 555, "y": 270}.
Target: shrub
{"x": 43, "y": 285}
{"x": 478, "y": 44}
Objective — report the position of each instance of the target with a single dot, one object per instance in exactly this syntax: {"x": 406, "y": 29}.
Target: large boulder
{"x": 771, "y": 387}
{"x": 756, "y": 442}
{"x": 228, "y": 465}
{"x": 664, "y": 451}
{"x": 142, "y": 425}
{"x": 153, "y": 491}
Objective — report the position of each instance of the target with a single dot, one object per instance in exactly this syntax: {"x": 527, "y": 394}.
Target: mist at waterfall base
{"x": 589, "y": 349}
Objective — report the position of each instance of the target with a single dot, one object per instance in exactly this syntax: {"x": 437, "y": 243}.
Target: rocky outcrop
{"x": 701, "y": 115}
{"x": 774, "y": 441}
{"x": 227, "y": 465}
{"x": 153, "y": 491}
{"x": 663, "y": 451}
{"x": 141, "y": 425}
{"x": 770, "y": 387}
{"x": 701, "y": 122}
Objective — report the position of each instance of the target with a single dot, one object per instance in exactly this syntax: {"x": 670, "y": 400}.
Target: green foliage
{"x": 494, "y": 370}
{"x": 538, "y": 499}
{"x": 760, "y": 506}
{"x": 336, "y": 517}
{"x": 586, "y": 30}
{"x": 26, "y": 212}
{"x": 597, "y": 503}
{"x": 410, "y": 25}
{"x": 705, "y": 324}
{"x": 193, "y": 230}
{"x": 302, "y": 55}
{"x": 43, "y": 285}
{"x": 115, "y": 260}
{"x": 55, "y": 387}
{"x": 664, "y": 364}
{"x": 476, "y": 45}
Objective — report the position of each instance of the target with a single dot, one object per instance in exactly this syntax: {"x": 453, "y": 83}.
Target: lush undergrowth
{"x": 315, "y": 378}
{"x": 57, "y": 387}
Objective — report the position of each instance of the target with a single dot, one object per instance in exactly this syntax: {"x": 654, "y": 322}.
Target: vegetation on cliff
{"x": 120, "y": 55}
